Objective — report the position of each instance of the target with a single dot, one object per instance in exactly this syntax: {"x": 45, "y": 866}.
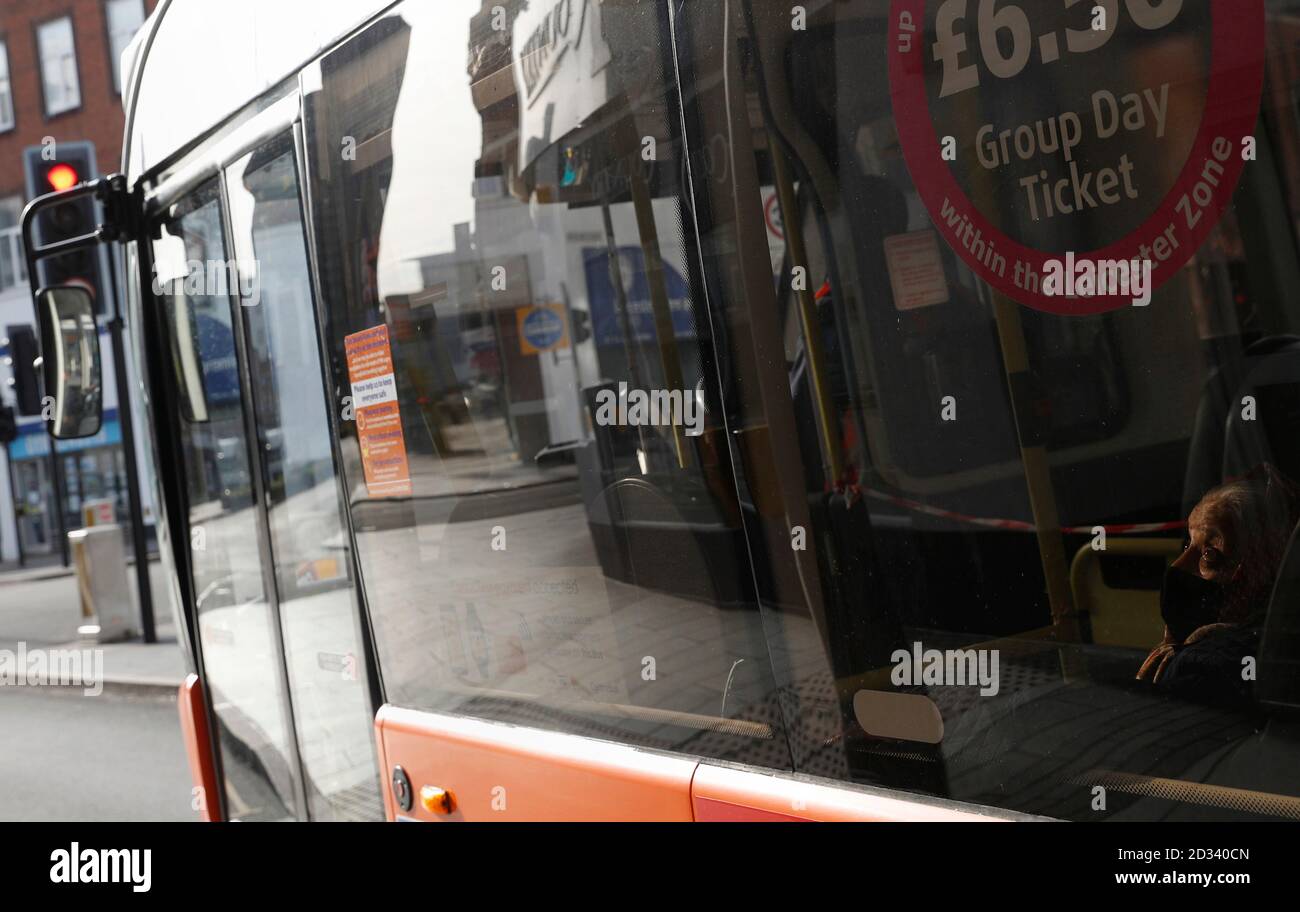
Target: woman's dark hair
{"x": 1260, "y": 511}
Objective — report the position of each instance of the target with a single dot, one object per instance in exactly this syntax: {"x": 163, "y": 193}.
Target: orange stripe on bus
{"x": 512, "y": 773}
{"x": 198, "y": 746}
{"x": 508, "y": 773}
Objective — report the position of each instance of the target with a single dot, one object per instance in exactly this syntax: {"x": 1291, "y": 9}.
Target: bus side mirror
{"x": 70, "y": 361}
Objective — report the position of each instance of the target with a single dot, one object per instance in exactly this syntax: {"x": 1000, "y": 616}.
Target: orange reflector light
{"x": 436, "y": 800}
{"x": 61, "y": 176}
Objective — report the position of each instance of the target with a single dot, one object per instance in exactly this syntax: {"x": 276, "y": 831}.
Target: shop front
{"x": 92, "y": 477}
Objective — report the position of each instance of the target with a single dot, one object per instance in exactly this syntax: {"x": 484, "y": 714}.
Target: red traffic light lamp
{"x": 62, "y": 176}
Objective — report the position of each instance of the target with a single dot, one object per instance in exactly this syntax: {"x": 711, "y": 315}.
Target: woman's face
{"x": 1209, "y": 552}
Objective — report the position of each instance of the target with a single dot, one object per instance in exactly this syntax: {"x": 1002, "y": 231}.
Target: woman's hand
{"x": 1168, "y": 648}
{"x": 1201, "y": 633}
{"x": 1159, "y": 657}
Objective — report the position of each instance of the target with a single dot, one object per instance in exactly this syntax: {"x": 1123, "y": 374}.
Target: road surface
{"x": 65, "y": 756}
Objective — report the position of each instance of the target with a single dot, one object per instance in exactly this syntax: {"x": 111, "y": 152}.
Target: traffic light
{"x": 59, "y": 166}
{"x": 26, "y": 379}
{"x": 8, "y": 425}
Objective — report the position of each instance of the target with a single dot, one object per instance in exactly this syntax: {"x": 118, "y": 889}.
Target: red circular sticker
{"x": 1064, "y": 148}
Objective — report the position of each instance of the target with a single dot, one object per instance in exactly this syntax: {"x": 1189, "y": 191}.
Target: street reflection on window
{"x": 509, "y": 291}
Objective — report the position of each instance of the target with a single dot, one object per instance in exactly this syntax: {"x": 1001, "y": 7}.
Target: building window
{"x": 58, "y": 56}
{"x": 6, "y": 91}
{"x": 12, "y": 267}
{"x": 11, "y": 210}
{"x": 124, "y": 19}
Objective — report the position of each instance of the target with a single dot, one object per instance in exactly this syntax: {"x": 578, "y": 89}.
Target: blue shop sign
{"x": 607, "y": 325}
{"x": 33, "y": 442}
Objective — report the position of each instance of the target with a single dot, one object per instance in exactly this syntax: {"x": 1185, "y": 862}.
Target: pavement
{"x": 114, "y": 753}
{"x": 13, "y": 573}
{"x": 41, "y": 607}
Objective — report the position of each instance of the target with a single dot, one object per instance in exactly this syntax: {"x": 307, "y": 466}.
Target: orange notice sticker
{"x": 378, "y": 416}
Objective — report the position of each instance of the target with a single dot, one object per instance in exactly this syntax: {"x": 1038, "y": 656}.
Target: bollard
{"x": 100, "y": 560}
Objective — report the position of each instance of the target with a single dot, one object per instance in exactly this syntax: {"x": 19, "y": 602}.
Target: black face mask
{"x": 1187, "y": 601}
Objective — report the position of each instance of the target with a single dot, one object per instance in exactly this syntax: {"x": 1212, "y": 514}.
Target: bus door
{"x": 274, "y": 586}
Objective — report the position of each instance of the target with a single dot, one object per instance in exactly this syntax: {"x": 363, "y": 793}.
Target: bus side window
{"x": 235, "y": 617}
{"x": 996, "y": 578}
{"x": 310, "y": 555}
{"x": 547, "y": 523}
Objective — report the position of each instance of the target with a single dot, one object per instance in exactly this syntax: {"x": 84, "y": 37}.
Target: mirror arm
{"x": 122, "y": 220}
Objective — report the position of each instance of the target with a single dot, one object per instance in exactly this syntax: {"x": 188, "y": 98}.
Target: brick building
{"x": 60, "y": 81}
{"x": 58, "y": 78}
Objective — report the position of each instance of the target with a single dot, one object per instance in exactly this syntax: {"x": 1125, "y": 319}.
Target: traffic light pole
{"x": 13, "y": 497}
{"x": 61, "y": 515}
{"x": 138, "y": 540}
{"x": 120, "y": 215}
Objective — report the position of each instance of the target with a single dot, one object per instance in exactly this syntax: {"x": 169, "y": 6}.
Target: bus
{"x": 726, "y": 410}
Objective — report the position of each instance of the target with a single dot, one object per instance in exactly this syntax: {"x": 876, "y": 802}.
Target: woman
{"x": 1216, "y": 593}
